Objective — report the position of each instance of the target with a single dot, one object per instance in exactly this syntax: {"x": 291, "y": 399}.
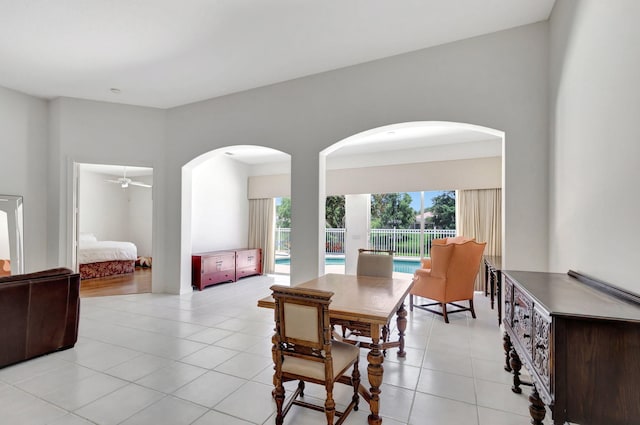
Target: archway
{"x": 217, "y": 187}
{"x": 411, "y": 156}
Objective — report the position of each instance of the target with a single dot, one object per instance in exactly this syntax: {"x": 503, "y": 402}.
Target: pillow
{"x": 87, "y": 237}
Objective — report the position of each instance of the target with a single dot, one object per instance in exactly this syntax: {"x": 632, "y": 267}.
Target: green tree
{"x": 334, "y": 212}
{"x": 283, "y": 213}
{"x": 390, "y": 210}
{"x": 444, "y": 210}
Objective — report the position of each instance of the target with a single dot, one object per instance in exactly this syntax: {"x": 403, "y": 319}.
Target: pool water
{"x": 400, "y": 266}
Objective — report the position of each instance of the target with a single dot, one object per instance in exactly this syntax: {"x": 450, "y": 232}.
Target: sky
{"x": 428, "y": 199}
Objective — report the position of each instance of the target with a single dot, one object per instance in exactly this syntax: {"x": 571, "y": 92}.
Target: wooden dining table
{"x": 369, "y": 301}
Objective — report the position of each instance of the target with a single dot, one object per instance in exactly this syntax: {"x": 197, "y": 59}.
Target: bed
{"x": 105, "y": 258}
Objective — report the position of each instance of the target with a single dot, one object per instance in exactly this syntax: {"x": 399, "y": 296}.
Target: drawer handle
{"x": 525, "y": 316}
{"x": 541, "y": 346}
{"x": 526, "y": 336}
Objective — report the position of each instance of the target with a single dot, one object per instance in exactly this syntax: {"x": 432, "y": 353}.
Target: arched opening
{"x": 411, "y": 157}
{"x": 221, "y": 190}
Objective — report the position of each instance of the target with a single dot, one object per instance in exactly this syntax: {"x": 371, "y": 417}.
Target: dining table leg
{"x": 402, "y": 326}
{"x": 374, "y": 372}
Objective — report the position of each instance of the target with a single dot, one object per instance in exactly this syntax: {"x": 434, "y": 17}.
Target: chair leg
{"x": 279, "y": 397}
{"x": 330, "y": 406}
{"x": 301, "y": 388}
{"x": 410, "y": 302}
{"x": 355, "y": 381}
{"x": 444, "y": 313}
{"x": 473, "y": 312}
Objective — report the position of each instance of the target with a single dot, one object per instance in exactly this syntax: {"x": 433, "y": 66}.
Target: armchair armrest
{"x": 425, "y": 263}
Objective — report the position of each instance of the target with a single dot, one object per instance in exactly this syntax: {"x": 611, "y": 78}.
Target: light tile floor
{"x": 205, "y": 358}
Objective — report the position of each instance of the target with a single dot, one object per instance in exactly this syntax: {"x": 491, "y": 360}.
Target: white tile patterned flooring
{"x": 205, "y": 358}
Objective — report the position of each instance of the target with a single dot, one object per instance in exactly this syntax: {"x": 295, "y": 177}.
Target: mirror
{"x": 11, "y": 222}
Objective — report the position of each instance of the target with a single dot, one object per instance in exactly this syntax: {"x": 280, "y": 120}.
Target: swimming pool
{"x": 400, "y": 266}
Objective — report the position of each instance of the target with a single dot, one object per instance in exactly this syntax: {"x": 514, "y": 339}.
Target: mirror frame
{"x": 12, "y": 205}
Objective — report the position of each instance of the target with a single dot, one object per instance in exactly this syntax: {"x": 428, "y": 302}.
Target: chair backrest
{"x": 302, "y": 321}
{"x": 377, "y": 263}
{"x": 456, "y": 239}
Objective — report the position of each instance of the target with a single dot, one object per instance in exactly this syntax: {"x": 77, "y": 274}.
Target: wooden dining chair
{"x": 303, "y": 350}
{"x": 373, "y": 263}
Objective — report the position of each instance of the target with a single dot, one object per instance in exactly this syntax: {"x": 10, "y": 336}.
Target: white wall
{"x": 104, "y": 208}
{"x": 141, "y": 216}
{"x": 595, "y": 148}
{"x": 23, "y": 168}
{"x": 219, "y": 205}
{"x": 497, "y": 81}
{"x": 5, "y": 252}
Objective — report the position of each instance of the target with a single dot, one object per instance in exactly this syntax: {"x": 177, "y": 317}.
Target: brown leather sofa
{"x": 39, "y": 314}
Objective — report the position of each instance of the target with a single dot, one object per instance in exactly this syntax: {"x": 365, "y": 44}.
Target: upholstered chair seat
{"x": 342, "y": 355}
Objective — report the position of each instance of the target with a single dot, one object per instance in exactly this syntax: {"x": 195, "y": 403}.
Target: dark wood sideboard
{"x": 209, "y": 268}
{"x": 579, "y": 339}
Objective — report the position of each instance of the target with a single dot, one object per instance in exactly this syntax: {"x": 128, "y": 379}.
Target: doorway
{"x": 113, "y": 230}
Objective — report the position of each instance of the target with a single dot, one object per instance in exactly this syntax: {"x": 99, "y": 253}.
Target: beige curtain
{"x": 480, "y": 217}
{"x": 262, "y": 230}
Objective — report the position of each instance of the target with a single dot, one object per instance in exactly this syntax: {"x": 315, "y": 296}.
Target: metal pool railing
{"x": 403, "y": 242}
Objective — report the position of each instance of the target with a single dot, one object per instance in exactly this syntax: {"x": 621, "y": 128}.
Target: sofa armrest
{"x": 60, "y": 271}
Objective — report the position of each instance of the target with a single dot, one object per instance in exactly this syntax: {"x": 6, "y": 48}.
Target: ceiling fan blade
{"x": 113, "y": 181}
{"x": 139, "y": 184}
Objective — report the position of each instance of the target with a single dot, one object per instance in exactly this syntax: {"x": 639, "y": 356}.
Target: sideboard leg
{"x": 536, "y": 408}
{"x": 516, "y": 365}
{"x": 506, "y": 344}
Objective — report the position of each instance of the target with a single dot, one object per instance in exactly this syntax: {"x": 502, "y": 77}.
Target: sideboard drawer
{"x": 522, "y": 322}
{"x": 542, "y": 347}
{"x": 508, "y": 303}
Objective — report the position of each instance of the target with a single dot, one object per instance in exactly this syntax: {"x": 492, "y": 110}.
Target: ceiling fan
{"x": 125, "y": 181}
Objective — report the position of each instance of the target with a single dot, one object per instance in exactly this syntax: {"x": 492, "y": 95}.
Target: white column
{"x": 357, "y": 222}
{"x": 307, "y": 216}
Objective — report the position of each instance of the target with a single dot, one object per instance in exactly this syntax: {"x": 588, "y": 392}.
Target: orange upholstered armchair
{"x": 448, "y": 276}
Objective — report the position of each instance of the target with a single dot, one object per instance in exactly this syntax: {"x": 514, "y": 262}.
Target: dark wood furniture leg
{"x": 492, "y": 281}
{"x": 516, "y": 365}
{"x": 506, "y": 344}
{"x": 499, "y": 295}
{"x": 486, "y": 278}
{"x": 402, "y": 326}
{"x": 536, "y": 408}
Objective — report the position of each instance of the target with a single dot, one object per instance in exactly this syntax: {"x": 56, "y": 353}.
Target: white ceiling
{"x": 165, "y": 53}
